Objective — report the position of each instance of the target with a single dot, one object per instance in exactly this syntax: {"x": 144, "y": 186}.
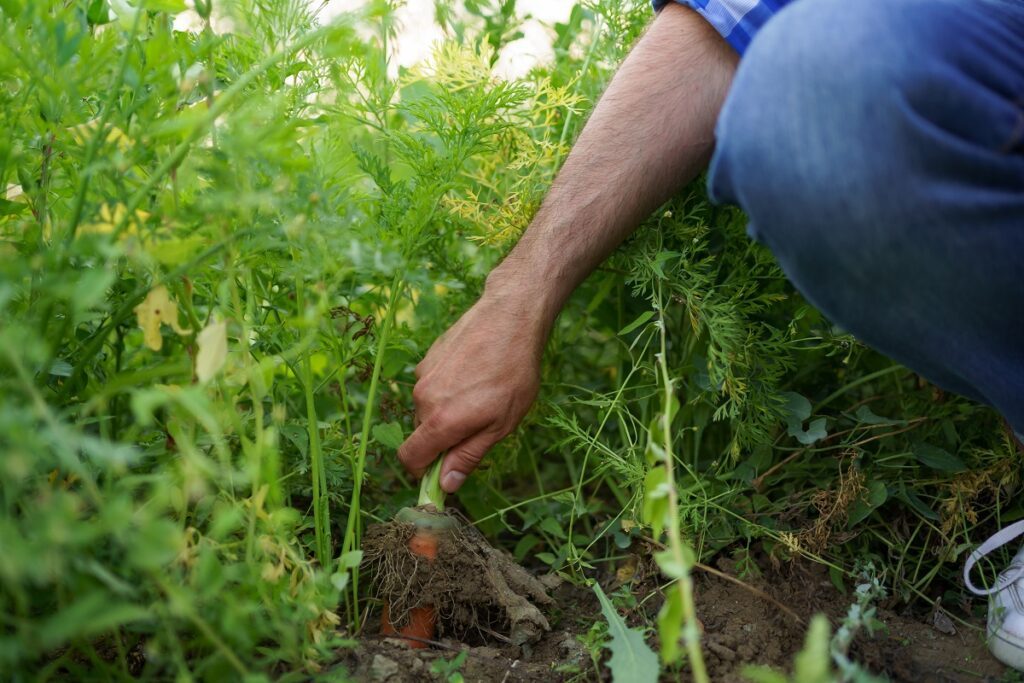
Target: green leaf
{"x": 632, "y": 661}
{"x": 670, "y": 626}
{"x": 763, "y": 674}
{"x": 813, "y": 662}
{"x": 912, "y": 499}
{"x": 938, "y": 459}
{"x": 865, "y": 415}
{"x": 550, "y": 525}
{"x": 875, "y": 496}
{"x": 546, "y": 558}
{"x": 389, "y": 434}
{"x": 171, "y": 6}
{"x": 524, "y": 546}
{"x": 97, "y": 12}
{"x": 9, "y": 208}
{"x": 641, "y": 319}
{"x": 656, "y": 507}
{"x": 350, "y": 560}
{"x": 814, "y": 433}
{"x": 797, "y": 407}
{"x": 672, "y": 568}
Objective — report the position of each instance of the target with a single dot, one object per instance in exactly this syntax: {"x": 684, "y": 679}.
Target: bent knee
{"x": 831, "y": 89}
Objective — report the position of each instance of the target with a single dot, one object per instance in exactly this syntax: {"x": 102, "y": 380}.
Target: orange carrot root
{"x": 422, "y": 620}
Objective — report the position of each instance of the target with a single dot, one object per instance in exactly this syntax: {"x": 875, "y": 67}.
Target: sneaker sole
{"x": 1008, "y": 649}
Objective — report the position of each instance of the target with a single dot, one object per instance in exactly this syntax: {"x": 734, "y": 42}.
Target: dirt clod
{"x": 481, "y": 595}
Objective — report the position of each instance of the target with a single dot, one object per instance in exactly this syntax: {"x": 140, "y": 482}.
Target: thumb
{"x": 463, "y": 458}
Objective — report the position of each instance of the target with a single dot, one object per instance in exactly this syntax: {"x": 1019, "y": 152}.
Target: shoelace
{"x": 997, "y": 540}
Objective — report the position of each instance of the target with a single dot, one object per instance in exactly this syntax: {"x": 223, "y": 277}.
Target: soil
{"x": 754, "y": 621}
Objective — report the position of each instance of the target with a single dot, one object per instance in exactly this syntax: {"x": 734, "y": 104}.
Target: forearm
{"x": 651, "y": 133}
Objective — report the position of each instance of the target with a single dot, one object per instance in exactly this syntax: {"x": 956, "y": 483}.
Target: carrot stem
{"x": 431, "y": 492}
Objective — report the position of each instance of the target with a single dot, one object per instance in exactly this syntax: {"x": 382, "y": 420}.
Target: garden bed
{"x": 741, "y": 629}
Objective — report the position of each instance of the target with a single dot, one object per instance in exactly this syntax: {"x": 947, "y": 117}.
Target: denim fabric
{"x": 878, "y": 148}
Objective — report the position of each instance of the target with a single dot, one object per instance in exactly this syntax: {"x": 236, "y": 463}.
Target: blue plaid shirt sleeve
{"x": 737, "y": 20}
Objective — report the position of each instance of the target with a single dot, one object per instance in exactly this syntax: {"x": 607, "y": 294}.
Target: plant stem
{"x": 352, "y": 525}
{"x": 691, "y": 632}
{"x": 431, "y": 492}
{"x": 321, "y": 504}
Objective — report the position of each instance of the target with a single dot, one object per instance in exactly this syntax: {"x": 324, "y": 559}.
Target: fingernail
{"x": 452, "y": 481}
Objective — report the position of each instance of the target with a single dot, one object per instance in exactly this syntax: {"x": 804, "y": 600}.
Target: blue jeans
{"x": 878, "y": 148}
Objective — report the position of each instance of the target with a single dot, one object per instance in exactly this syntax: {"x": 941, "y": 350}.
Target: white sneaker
{"x": 1006, "y": 599}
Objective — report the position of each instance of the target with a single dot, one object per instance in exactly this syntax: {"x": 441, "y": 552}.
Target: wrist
{"x": 531, "y": 303}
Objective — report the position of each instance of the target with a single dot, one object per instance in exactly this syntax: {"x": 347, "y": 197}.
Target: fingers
{"x": 464, "y": 458}
{"x": 431, "y": 438}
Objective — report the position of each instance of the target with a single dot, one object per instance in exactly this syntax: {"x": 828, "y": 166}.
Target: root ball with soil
{"x": 438, "y": 576}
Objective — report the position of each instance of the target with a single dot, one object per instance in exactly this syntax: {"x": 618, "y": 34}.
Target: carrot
{"x": 423, "y": 543}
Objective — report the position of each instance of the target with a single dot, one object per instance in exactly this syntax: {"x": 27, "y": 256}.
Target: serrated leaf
{"x": 632, "y": 661}
{"x": 938, "y": 458}
{"x": 641, "y": 319}
{"x": 389, "y": 434}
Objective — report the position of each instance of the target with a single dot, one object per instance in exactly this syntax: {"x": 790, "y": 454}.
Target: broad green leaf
{"x": 550, "y": 525}
{"x": 389, "y": 434}
{"x": 938, "y": 459}
{"x": 815, "y": 432}
{"x": 633, "y": 660}
{"x": 641, "y": 319}
{"x": 798, "y": 408}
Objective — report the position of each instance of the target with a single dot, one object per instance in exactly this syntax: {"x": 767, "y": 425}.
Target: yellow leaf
{"x": 213, "y": 350}
{"x": 155, "y": 310}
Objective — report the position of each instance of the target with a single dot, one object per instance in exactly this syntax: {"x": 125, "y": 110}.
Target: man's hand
{"x": 650, "y": 134}
{"x": 475, "y": 385}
